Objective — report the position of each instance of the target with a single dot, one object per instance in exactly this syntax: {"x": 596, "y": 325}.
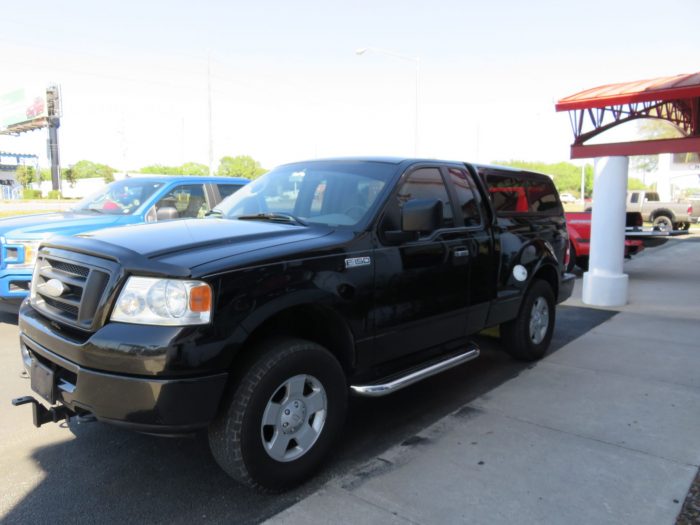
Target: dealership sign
{"x": 22, "y": 105}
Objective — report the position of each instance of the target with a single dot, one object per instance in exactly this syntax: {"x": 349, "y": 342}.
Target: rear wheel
{"x": 527, "y": 337}
{"x": 663, "y": 223}
{"x": 282, "y": 417}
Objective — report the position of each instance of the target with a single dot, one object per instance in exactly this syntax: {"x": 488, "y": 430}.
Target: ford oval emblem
{"x": 53, "y": 288}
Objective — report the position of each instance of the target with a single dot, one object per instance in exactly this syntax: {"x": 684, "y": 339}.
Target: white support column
{"x": 604, "y": 284}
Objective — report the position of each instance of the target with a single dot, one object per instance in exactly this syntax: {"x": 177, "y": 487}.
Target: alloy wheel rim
{"x": 539, "y": 320}
{"x": 293, "y": 418}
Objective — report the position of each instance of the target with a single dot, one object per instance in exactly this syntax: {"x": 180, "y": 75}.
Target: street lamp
{"x": 363, "y": 50}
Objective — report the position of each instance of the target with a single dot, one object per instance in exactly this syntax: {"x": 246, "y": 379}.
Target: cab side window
{"x": 467, "y": 196}
{"x": 542, "y": 197}
{"x": 427, "y": 183}
{"x": 507, "y": 194}
{"x": 183, "y": 202}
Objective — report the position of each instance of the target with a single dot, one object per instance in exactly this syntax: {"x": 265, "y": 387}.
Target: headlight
{"x": 173, "y": 302}
{"x": 21, "y": 254}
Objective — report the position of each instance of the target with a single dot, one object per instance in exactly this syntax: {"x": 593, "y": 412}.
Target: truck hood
{"x": 190, "y": 243}
{"x": 44, "y": 224}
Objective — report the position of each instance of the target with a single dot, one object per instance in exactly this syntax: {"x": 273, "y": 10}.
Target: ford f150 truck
{"x": 315, "y": 281}
{"x": 128, "y": 201}
{"x": 665, "y": 216}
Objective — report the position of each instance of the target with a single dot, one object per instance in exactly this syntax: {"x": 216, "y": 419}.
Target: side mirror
{"x": 421, "y": 215}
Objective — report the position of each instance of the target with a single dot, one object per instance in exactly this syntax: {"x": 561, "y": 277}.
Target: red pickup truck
{"x": 578, "y": 225}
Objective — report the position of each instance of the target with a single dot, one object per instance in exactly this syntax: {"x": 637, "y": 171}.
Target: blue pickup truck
{"x": 128, "y": 201}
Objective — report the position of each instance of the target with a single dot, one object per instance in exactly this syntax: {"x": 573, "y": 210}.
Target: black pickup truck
{"x": 317, "y": 280}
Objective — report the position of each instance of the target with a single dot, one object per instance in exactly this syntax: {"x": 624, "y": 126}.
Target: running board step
{"x": 396, "y": 382}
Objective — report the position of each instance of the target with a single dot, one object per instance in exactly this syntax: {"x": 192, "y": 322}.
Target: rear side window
{"x": 507, "y": 194}
{"x": 522, "y": 194}
{"x": 542, "y": 196}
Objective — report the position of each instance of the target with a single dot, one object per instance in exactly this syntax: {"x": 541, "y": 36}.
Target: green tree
{"x": 25, "y": 175}
{"x": 566, "y": 176}
{"x": 194, "y": 168}
{"x": 240, "y": 166}
{"x": 86, "y": 169}
{"x": 188, "y": 168}
{"x": 69, "y": 175}
{"x": 636, "y": 184}
{"x": 653, "y": 129}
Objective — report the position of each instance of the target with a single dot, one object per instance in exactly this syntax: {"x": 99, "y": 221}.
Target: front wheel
{"x": 282, "y": 417}
{"x": 527, "y": 337}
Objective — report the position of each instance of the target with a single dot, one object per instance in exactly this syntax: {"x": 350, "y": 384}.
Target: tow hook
{"x": 42, "y": 414}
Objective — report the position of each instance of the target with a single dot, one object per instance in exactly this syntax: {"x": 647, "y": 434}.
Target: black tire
{"x": 663, "y": 223}
{"x": 572, "y": 258}
{"x": 236, "y": 437}
{"x": 516, "y": 335}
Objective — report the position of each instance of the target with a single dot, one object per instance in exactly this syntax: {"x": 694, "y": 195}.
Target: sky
{"x": 287, "y": 85}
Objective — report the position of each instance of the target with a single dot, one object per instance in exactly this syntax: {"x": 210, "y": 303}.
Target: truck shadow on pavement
{"x": 103, "y": 474}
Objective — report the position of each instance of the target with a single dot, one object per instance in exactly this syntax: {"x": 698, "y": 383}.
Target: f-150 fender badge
{"x": 354, "y": 262}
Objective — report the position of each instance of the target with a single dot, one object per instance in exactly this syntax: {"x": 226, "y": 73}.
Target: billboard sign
{"x": 22, "y": 105}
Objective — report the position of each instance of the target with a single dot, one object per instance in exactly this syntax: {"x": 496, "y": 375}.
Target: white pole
{"x": 211, "y": 135}
{"x": 415, "y": 129}
{"x": 604, "y": 284}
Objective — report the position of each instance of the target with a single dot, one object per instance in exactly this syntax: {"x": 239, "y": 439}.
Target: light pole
{"x": 363, "y": 50}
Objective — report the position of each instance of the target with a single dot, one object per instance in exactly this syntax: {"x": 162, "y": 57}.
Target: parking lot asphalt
{"x": 93, "y": 472}
{"x": 604, "y": 430}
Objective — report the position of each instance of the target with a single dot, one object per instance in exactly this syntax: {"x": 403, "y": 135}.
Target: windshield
{"x": 334, "y": 193}
{"x": 119, "y": 198}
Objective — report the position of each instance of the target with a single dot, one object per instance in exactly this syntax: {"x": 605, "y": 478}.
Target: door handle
{"x": 461, "y": 252}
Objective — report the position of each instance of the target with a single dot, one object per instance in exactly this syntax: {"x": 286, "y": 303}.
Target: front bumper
{"x": 14, "y": 284}
{"x": 140, "y": 403}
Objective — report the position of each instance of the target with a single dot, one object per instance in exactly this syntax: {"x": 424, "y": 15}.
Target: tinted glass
{"x": 507, "y": 194}
{"x": 228, "y": 189}
{"x": 634, "y": 198}
{"x": 542, "y": 196}
{"x": 184, "y": 202}
{"x": 332, "y": 193}
{"x": 467, "y": 196}
{"x": 119, "y": 198}
{"x": 427, "y": 183}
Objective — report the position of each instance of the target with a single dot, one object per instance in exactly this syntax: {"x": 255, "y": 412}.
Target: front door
{"x": 422, "y": 286}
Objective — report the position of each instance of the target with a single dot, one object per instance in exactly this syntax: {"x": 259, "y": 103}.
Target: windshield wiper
{"x": 277, "y": 216}
{"x": 215, "y": 212}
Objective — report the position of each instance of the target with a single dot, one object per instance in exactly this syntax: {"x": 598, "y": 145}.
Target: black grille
{"x": 68, "y": 291}
{"x": 70, "y": 309}
{"x": 74, "y": 269}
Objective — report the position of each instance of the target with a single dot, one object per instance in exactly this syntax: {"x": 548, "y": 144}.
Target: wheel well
{"x": 549, "y": 274}
{"x": 311, "y": 322}
{"x": 663, "y": 212}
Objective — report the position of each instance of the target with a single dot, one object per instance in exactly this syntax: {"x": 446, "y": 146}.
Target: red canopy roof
{"x": 665, "y": 88}
{"x": 673, "y": 99}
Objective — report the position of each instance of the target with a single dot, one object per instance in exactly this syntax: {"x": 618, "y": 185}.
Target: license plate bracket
{"x": 43, "y": 381}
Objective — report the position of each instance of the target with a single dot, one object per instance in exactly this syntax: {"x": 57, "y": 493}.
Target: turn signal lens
{"x": 200, "y": 298}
